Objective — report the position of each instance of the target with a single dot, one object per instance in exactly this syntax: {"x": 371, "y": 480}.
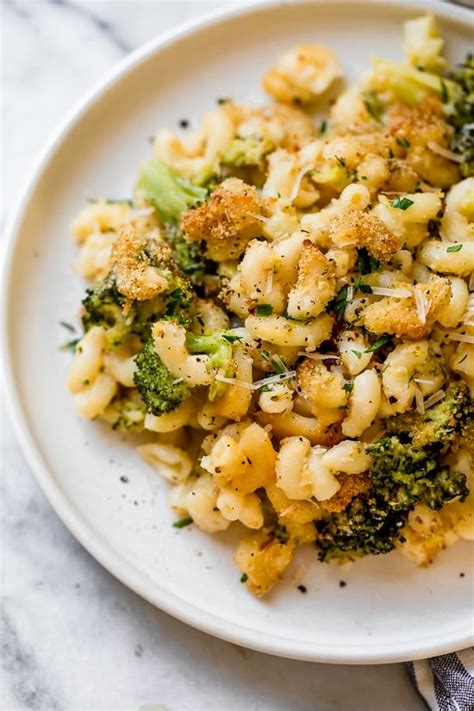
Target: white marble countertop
{"x": 73, "y": 637}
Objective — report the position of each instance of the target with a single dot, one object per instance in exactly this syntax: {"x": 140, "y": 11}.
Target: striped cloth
{"x": 445, "y": 683}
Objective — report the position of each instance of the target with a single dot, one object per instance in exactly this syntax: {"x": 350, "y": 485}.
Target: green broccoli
{"x": 161, "y": 390}
{"x": 218, "y": 346}
{"x": 126, "y": 412}
{"x": 169, "y": 193}
{"x": 459, "y": 109}
{"x": 406, "y": 470}
{"x": 104, "y": 306}
{"x": 404, "y": 476}
{"x": 364, "y": 527}
{"x": 440, "y": 424}
{"x": 246, "y": 152}
{"x": 189, "y": 256}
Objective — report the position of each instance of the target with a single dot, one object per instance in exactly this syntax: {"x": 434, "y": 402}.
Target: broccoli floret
{"x": 189, "y": 256}
{"x": 104, "y": 306}
{"x": 169, "y": 193}
{"x": 402, "y": 476}
{"x": 126, "y": 412}
{"x": 178, "y": 299}
{"x": 440, "y": 424}
{"x": 364, "y": 527}
{"x": 248, "y": 151}
{"x": 459, "y": 108}
{"x": 218, "y": 346}
{"x": 158, "y": 387}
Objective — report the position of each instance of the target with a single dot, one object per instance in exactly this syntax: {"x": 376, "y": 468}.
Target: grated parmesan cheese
{"x": 421, "y": 305}
{"x": 298, "y": 178}
{"x": 436, "y": 397}
{"x": 450, "y": 155}
{"x": 386, "y": 291}
{"x": 420, "y": 403}
{"x": 461, "y": 337}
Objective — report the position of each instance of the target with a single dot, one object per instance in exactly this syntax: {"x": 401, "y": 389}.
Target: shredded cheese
{"x": 461, "y": 337}
{"x": 269, "y": 285}
{"x": 258, "y": 383}
{"x": 235, "y": 381}
{"x": 450, "y": 155}
{"x": 298, "y": 178}
{"x": 396, "y": 293}
{"x": 421, "y": 305}
{"x": 320, "y": 356}
{"x": 274, "y": 379}
{"x": 436, "y": 397}
{"x": 420, "y": 403}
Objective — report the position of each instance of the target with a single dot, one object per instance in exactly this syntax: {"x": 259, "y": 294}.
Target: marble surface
{"x": 74, "y": 638}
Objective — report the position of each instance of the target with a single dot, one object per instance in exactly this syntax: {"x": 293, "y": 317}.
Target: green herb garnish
{"x": 403, "y": 142}
{"x": 68, "y": 326}
{"x": 373, "y": 105}
{"x": 365, "y": 263}
{"x": 70, "y": 345}
{"x": 378, "y": 344}
{"x": 454, "y": 248}
{"x": 348, "y": 387}
{"x": 182, "y": 523}
{"x": 338, "y": 304}
{"x": 402, "y": 203}
{"x": 244, "y": 577}
{"x": 264, "y": 309}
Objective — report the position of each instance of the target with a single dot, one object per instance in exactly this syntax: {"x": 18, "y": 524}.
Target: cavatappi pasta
{"x": 285, "y": 311}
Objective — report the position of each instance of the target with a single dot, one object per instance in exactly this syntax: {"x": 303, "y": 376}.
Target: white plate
{"x": 388, "y": 610}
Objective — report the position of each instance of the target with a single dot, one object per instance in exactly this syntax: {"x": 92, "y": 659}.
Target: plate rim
{"x": 63, "y": 507}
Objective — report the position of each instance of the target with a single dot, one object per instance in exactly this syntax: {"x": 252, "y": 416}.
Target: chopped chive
{"x": 373, "y": 105}
{"x": 264, "y": 310}
{"x": 403, "y": 142}
{"x": 338, "y": 304}
{"x": 68, "y": 326}
{"x": 231, "y": 338}
{"x": 402, "y": 203}
{"x": 182, "y": 523}
{"x": 278, "y": 364}
{"x": 265, "y": 354}
{"x": 454, "y": 248}
{"x": 323, "y": 127}
{"x": 348, "y": 387}
{"x": 358, "y": 354}
{"x": 244, "y": 577}
{"x": 378, "y": 344}
{"x": 70, "y": 345}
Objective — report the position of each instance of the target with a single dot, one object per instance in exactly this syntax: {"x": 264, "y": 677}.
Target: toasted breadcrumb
{"x": 419, "y": 126}
{"x": 364, "y": 230}
{"x": 227, "y": 222}
{"x": 132, "y": 254}
{"x": 400, "y": 316}
{"x": 351, "y": 485}
{"x": 321, "y": 387}
{"x": 263, "y": 559}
